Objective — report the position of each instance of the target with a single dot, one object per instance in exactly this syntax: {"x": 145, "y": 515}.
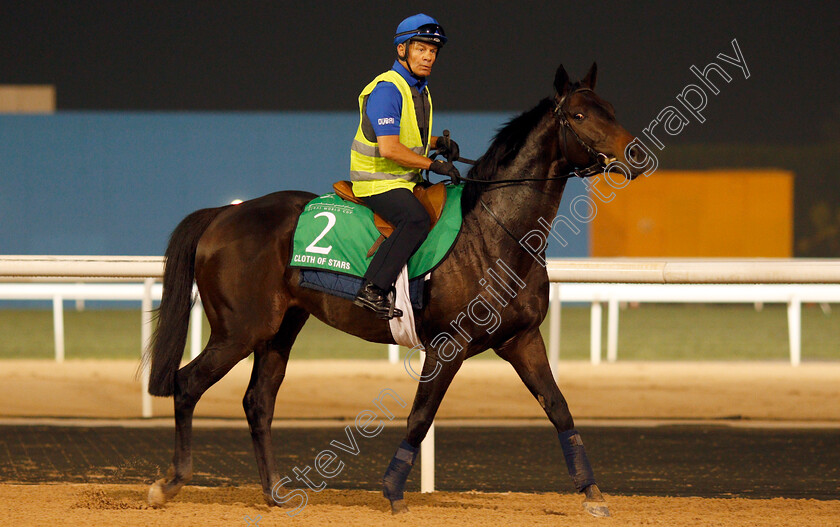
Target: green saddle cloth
{"x": 333, "y": 234}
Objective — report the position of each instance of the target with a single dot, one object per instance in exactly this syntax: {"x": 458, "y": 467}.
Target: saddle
{"x": 432, "y": 198}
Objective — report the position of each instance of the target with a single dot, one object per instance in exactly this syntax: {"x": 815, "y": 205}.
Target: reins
{"x": 600, "y": 161}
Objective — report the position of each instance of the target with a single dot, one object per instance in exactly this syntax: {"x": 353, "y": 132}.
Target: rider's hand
{"x": 445, "y": 168}
{"x": 448, "y": 148}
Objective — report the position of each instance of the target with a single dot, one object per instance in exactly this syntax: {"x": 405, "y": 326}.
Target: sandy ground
{"x": 808, "y": 395}
{"x": 122, "y": 505}
{"x": 482, "y": 389}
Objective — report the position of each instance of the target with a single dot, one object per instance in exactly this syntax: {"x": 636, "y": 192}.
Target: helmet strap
{"x": 404, "y": 58}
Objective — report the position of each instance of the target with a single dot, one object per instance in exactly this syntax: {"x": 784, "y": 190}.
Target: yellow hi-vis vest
{"x": 367, "y": 164}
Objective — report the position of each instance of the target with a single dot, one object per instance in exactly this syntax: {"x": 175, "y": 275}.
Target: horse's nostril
{"x": 635, "y": 154}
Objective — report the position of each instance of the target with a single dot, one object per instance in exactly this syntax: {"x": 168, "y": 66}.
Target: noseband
{"x": 600, "y": 159}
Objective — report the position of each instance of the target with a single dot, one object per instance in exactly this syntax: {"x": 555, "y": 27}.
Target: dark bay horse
{"x": 238, "y": 257}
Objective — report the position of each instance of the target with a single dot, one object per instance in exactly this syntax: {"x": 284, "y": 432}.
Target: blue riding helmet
{"x": 420, "y": 27}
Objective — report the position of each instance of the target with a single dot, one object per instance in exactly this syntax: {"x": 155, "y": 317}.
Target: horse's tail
{"x": 174, "y": 312}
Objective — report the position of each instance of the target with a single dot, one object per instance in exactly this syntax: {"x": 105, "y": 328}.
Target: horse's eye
{"x": 578, "y": 117}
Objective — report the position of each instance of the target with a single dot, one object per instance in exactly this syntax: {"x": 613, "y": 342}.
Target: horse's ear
{"x": 561, "y": 80}
{"x": 591, "y": 77}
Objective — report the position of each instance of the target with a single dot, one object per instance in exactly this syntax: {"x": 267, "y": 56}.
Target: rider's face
{"x": 421, "y": 57}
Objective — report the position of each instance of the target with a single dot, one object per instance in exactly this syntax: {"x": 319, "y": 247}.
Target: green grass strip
{"x": 694, "y": 332}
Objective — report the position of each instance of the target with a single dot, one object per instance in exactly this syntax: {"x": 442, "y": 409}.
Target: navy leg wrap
{"x": 393, "y": 482}
{"x": 578, "y": 464}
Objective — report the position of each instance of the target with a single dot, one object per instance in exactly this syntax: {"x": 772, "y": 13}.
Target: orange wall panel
{"x": 716, "y": 213}
{"x": 27, "y": 99}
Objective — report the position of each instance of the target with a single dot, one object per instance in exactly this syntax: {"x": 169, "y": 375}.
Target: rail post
{"x": 195, "y": 328}
{"x": 427, "y": 451}
{"x": 146, "y": 344}
{"x": 595, "y": 333}
{"x": 612, "y": 330}
{"x": 794, "y": 312}
{"x": 58, "y": 327}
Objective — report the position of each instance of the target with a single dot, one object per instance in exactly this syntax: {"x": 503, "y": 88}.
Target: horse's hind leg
{"x": 191, "y": 381}
{"x": 266, "y": 377}
{"x": 526, "y": 353}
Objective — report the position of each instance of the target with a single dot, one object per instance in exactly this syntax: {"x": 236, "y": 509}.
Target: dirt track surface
{"x": 123, "y": 505}
{"x": 776, "y": 392}
{"x": 680, "y": 461}
{"x": 482, "y": 389}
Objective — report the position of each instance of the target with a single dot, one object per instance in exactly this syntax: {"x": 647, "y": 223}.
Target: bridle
{"x": 599, "y": 160}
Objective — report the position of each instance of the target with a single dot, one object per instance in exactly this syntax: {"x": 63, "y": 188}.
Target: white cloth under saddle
{"x": 402, "y": 328}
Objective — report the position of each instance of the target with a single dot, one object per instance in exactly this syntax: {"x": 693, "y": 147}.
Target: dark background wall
{"x": 280, "y": 58}
{"x": 271, "y": 55}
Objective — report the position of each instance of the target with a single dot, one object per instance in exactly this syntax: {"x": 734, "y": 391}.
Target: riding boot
{"x": 376, "y": 299}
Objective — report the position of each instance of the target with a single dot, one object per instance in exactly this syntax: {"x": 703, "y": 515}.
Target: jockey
{"x": 391, "y": 146}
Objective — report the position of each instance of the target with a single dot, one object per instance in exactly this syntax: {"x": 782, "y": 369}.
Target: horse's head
{"x": 590, "y": 135}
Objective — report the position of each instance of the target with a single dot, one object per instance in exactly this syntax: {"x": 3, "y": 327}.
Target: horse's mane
{"x": 506, "y": 144}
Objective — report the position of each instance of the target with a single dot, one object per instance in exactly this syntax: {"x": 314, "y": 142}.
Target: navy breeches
{"x": 411, "y": 226}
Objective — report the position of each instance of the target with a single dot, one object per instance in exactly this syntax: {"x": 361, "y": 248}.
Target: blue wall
{"x": 118, "y": 183}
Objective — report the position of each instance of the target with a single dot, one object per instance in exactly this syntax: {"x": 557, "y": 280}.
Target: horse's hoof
{"x": 398, "y": 507}
{"x": 157, "y": 498}
{"x": 599, "y": 509}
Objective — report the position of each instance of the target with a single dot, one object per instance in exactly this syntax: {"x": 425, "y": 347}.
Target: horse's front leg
{"x": 526, "y": 353}
{"x": 435, "y": 379}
